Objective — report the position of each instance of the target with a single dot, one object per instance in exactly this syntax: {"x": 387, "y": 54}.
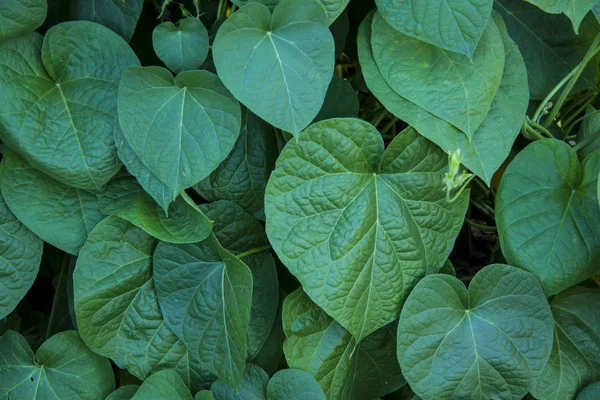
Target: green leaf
{"x": 488, "y": 341}
{"x": 18, "y": 17}
{"x": 62, "y": 368}
{"x": 576, "y": 10}
{"x": 253, "y": 385}
{"x": 333, "y": 8}
{"x": 205, "y": 295}
{"x": 239, "y": 232}
{"x": 181, "y": 128}
{"x": 591, "y": 392}
{"x": 163, "y": 385}
{"x": 185, "y": 223}
{"x": 344, "y": 368}
{"x": 58, "y": 101}
{"x": 279, "y": 65}
{"x": 294, "y": 384}
{"x": 357, "y": 225}
{"x": 269, "y": 357}
{"x": 548, "y": 216}
{"x": 550, "y": 47}
{"x": 117, "y": 309}
{"x": 123, "y": 393}
{"x": 575, "y": 359}
{"x": 61, "y": 215}
{"x": 182, "y": 47}
{"x": 242, "y": 176}
{"x": 21, "y": 252}
{"x": 492, "y": 141}
{"x": 460, "y": 91}
{"x": 589, "y": 126}
{"x": 340, "y": 101}
{"x": 454, "y": 25}
{"x": 119, "y": 15}
{"x": 204, "y": 395}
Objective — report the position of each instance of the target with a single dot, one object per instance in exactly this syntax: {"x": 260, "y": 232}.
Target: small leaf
{"x": 183, "y": 47}
{"x": 119, "y": 15}
{"x": 18, "y": 17}
{"x": 163, "y": 385}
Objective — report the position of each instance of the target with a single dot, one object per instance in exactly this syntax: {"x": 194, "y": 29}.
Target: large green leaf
{"x": 21, "y": 254}
{"x": 333, "y": 8}
{"x": 591, "y": 392}
{"x": 357, "y": 225}
{"x": 181, "y": 128}
{"x": 62, "y": 368}
{"x": 185, "y": 223}
{"x": 61, "y": 215}
{"x": 294, "y": 384}
{"x": 548, "y": 216}
{"x": 576, "y": 10}
{"x": 117, "y": 310}
{"x": 58, "y": 101}
{"x": 205, "y": 295}
{"x": 344, "y": 368}
{"x": 486, "y": 342}
{"x": 492, "y": 141}
{"x": 119, "y": 15}
{"x": 18, "y": 17}
{"x": 163, "y": 385}
{"x": 182, "y": 47}
{"x": 253, "y": 385}
{"x": 550, "y": 47}
{"x": 279, "y": 65}
{"x": 455, "y": 25}
{"x": 459, "y": 91}
{"x": 243, "y": 176}
{"x": 575, "y": 359}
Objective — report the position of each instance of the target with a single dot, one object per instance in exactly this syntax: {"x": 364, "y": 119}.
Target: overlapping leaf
{"x": 182, "y": 47}
{"x": 576, "y": 10}
{"x": 118, "y": 15}
{"x": 18, "y": 17}
{"x": 333, "y": 8}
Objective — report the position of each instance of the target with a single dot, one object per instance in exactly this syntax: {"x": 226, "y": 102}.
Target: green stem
{"x": 379, "y": 116}
{"x": 533, "y": 132}
{"x": 484, "y": 208}
{"x": 542, "y": 129}
{"x": 568, "y": 123}
{"x": 460, "y": 191}
{"x": 586, "y": 116}
{"x": 480, "y": 227}
{"x": 542, "y": 106}
{"x": 222, "y": 9}
{"x": 586, "y": 140}
{"x": 389, "y": 125}
{"x": 254, "y": 251}
{"x": 57, "y": 291}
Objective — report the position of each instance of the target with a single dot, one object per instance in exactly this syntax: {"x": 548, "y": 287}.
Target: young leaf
{"x": 294, "y": 384}
{"x": 340, "y": 101}
{"x": 242, "y": 176}
{"x": 205, "y": 295}
{"x": 575, "y": 359}
{"x": 488, "y": 341}
{"x": 117, "y": 309}
{"x": 550, "y": 47}
{"x": 548, "y": 216}
{"x": 18, "y": 17}
{"x": 492, "y": 141}
{"x": 123, "y": 393}
{"x": 182, "y": 47}
{"x": 252, "y": 385}
{"x": 21, "y": 252}
{"x": 58, "y": 102}
{"x": 181, "y": 128}
{"x": 62, "y": 368}
{"x": 119, "y": 15}
{"x": 344, "y": 368}
{"x": 163, "y": 385}
{"x": 279, "y": 65}
{"x": 591, "y": 392}
{"x": 185, "y": 223}
{"x": 61, "y": 215}
{"x": 576, "y": 10}
{"x": 455, "y": 25}
{"x": 357, "y": 225}
{"x": 459, "y": 91}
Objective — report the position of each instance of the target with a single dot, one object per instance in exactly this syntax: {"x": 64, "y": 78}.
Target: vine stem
{"x": 586, "y": 116}
{"x": 222, "y": 9}
{"x": 479, "y": 226}
{"x": 254, "y": 251}
{"x": 57, "y": 291}
{"x": 586, "y": 140}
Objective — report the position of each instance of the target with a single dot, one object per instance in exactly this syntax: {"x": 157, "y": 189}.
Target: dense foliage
{"x": 299, "y": 199}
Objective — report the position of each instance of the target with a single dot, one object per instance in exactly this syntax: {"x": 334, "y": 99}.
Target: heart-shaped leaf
{"x": 178, "y": 151}
{"x": 182, "y": 47}
{"x": 280, "y": 65}
{"x": 357, "y": 225}
{"x": 18, "y": 17}
{"x": 548, "y": 216}
{"x": 58, "y": 101}
{"x": 486, "y": 342}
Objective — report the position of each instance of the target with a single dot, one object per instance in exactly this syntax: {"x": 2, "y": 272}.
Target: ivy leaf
{"x": 163, "y": 385}
{"x": 557, "y": 238}
{"x": 576, "y": 10}
{"x": 575, "y": 359}
{"x": 488, "y": 341}
{"x": 461, "y": 90}
{"x": 357, "y": 225}
{"x": 18, "y": 17}
{"x": 454, "y": 25}
{"x": 62, "y": 368}
{"x": 344, "y": 368}
{"x": 279, "y": 65}
{"x": 61, "y": 215}
{"x": 182, "y": 151}
{"x": 117, "y": 15}
{"x": 185, "y": 223}
{"x": 182, "y": 47}
{"x": 58, "y": 101}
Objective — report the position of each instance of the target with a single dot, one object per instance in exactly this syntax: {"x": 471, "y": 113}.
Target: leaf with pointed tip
{"x": 576, "y": 10}
{"x": 18, "y": 17}
{"x": 181, "y": 47}
{"x": 340, "y": 101}
{"x": 119, "y": 15}
{"x": 163, "y": 385}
